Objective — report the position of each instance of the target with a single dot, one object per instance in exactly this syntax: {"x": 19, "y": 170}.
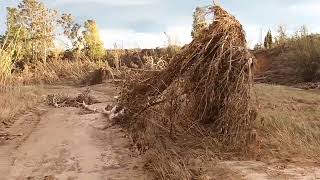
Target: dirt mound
{"x": 293, "y": 62}
{"x": 270, "y": 68}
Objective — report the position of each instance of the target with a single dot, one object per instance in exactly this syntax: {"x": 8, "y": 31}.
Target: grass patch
{"x": 16, "y": 100}
{"x": 289, "y": 122}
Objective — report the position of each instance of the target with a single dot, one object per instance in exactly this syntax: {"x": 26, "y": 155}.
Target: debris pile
{"x": 83, "y": 99}
{"x": 211, "y": 77}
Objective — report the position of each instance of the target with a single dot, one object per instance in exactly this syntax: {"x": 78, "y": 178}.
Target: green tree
{"x": 15, "y": 36}
{"x": 39, "y": 22}
{"x": 268, "y": 40}
{"x": 31, "y": 26}
{"x": 199, "y": 21}
{"x": 93, "y": 44}
{"x": 265, "y": 42}
{"x": 71, "y": 30}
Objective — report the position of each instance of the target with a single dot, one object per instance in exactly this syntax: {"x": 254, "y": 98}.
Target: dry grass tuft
{"x": 57, "y": 71}
{"x": 168, "y": 165}
{"x": 16, "y": 100}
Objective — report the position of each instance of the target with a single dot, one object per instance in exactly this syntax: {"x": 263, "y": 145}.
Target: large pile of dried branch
{"x": 211, "y": 77}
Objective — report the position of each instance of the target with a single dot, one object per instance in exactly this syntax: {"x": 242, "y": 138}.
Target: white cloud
{"x": 108, "y": 2}
{"x": 180, "y": 35}
{"x": 256, "y": 33}
{"x": 306, "y": 8}
{"x": 128, "y": 38}
{"x": 253, "y": 34}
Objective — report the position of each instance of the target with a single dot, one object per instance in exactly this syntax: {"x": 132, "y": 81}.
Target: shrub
{"x": 304, "y": 56}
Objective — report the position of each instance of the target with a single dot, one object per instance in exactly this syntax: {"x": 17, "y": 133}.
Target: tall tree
{"x": 39, "y": 22}
{"x": 16, "y": 35}
{"x": 93, "y": 43}
{"x": 199, "y": 21}
{"x": 268, "y": 40}
{"x": 71, "y": 29}
{"x": 265, "y": 42}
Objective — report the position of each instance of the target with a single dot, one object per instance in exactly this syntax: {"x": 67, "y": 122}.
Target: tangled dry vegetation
{"x": 197, "y": 105}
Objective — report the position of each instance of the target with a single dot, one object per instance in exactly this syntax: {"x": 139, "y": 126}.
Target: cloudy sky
{"x": 142, "y": 23}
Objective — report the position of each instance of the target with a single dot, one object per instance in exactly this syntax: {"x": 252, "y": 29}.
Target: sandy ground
{"x": 254, "y": 170}
{"x": 49, "y": 143}
{"x": 66, "y": 144}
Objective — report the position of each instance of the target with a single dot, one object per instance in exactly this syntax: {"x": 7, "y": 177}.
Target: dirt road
{"x": 65, "y": 144}
{"x": 254, "y": 170}
{"x": 69, "y": 143}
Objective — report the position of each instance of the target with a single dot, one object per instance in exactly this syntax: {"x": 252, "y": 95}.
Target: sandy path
{"x": 254, "y": 170}
{"x": 64, "y": 143}
{"x": 67, "y": 144}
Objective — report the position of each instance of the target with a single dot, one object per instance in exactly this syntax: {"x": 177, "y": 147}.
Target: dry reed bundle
{"x": 214, "y": 75}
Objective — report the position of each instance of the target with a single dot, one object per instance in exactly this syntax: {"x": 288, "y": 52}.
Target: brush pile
{"x": 58, "y": 100}
{"x": 196, "y": 108}
{"x": 211, "y": 77}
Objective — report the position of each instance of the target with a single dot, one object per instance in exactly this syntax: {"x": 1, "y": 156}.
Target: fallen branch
{"x": 86, "y": 107}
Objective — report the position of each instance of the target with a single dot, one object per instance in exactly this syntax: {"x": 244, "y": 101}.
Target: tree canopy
{"x": 93, "y": 44}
